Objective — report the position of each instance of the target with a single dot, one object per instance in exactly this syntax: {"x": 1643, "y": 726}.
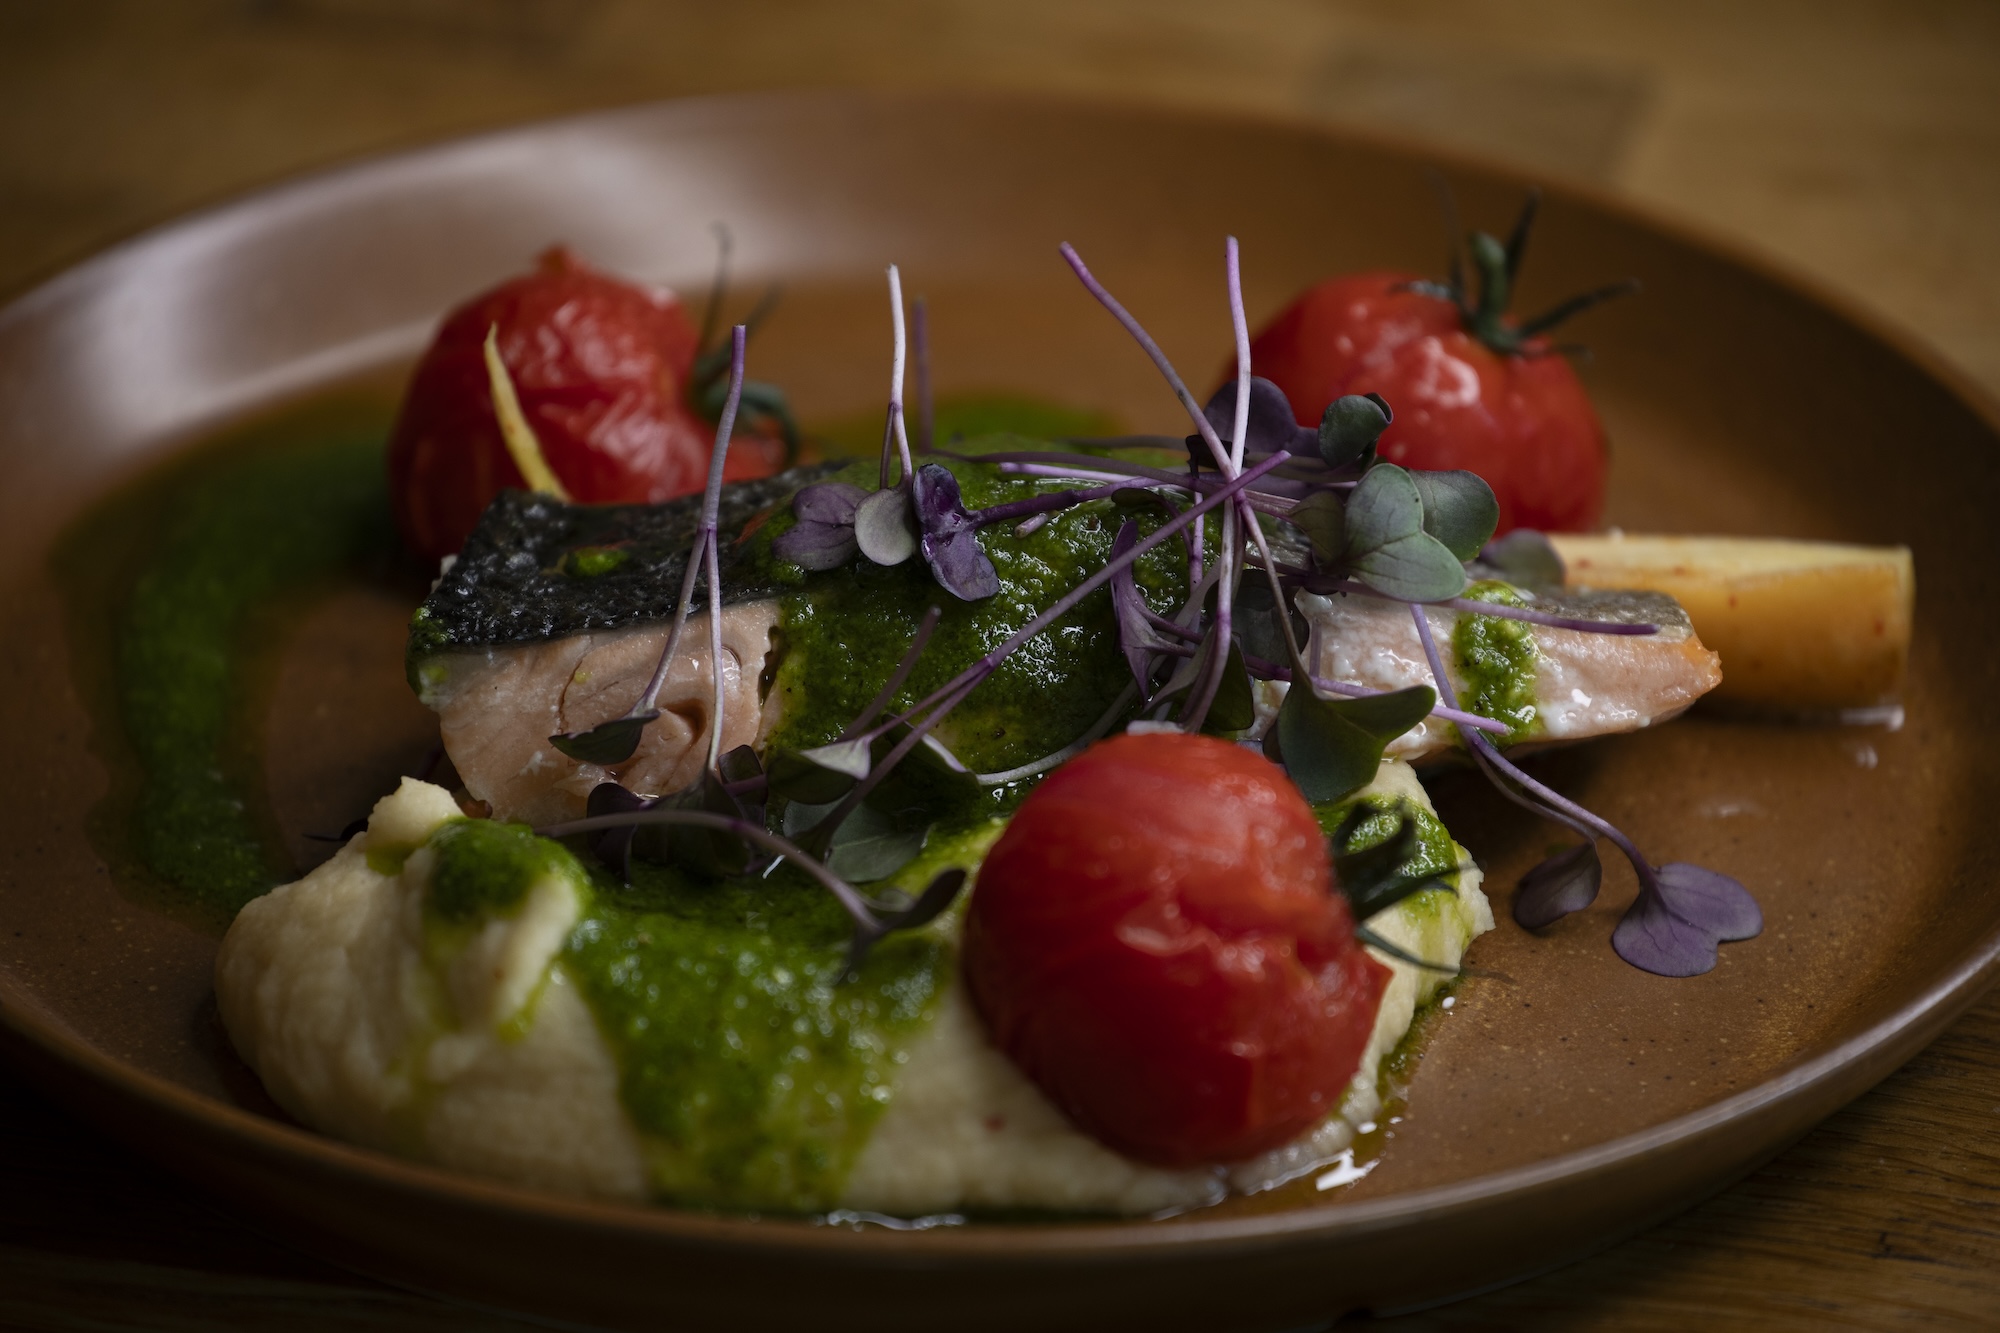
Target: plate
{"x": 1564, "y": 1101}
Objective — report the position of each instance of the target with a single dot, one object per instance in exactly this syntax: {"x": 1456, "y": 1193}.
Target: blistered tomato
{"x": 601, "y": 367}
{"x": 1157, "y": 941}
{"x": 1516, "y": 415}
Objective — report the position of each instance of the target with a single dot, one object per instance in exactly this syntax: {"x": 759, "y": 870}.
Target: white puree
{"x": 485, "y": 1058}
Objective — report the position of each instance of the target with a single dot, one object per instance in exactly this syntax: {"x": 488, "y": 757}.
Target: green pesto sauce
{"x": 1497, "y": 660}
{"x": 846, "y": 629}
{"x": 753, "y": 1076}
{"x": 484, "y": 867}
{"x": 589, "y": 562}
{"x": 1435, "y": 853}
{"x": 181, "y": 586}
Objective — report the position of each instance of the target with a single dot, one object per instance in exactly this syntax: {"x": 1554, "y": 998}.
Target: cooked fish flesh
{"x": 552, "y": 620}
{"x": 1585, "y": 684}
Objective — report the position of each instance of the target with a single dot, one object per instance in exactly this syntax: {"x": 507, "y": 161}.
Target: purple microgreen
{"x": 1270, "y": 427}
{"x": 920, "y": 334}
{"x": 1525, "y": 556}
{"x": 1029, "y": 527}
{"x": 1349, "y": 428}
{"x": 1050, "y": 463}
{"x": 614, "y": 845}
{"x": 935, "y": 707}
{"x": 1460, "y": 510}
{"x": 1387, "y": 547}
{"x": 1213, "y": 664}
{"x": 884, "y": 528}
{"x": 1683, "y": 912}
{"x": 950, "y": 537}
{"x": 1674, "y": 930}
{"x": 1239, "y": 324}
{"x": 870, "y": 923}
{"x": 708, "y": 851}
{"x": 712, "y": 556}
{"x": 1333, "y": 747}
{"x": 1146, "y": 343}
{"x": 1046, "y": 503}
{"x": 896, "y": 361}
{"x": 823, "y": 536}
{"x": 1233, "y": 485}
{"x": 617, "y": 740}
{"x": 1137, "y": 637}
{"x": 1566, "y": 882}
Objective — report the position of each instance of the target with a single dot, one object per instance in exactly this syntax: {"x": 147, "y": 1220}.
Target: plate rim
{"x": 1889, "y": 1041}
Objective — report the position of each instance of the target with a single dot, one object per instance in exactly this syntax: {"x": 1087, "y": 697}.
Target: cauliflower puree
{"x": 470, "y": 1043}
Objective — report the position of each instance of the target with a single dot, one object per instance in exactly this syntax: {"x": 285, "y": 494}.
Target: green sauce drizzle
{"x": 486, "y": 867}
{"x": 1435, "y": 852}
{"x": 845, "y": 629}
{"x": 179, "y": 585}
{"x": 754, "y": 1077}
{"x": 1497, "y": 660}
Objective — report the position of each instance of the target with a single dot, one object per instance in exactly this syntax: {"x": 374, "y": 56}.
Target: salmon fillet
{"x": 1585, "y": 684}
{"x": 552, "y": 620}
{"x": 498, "y": 706}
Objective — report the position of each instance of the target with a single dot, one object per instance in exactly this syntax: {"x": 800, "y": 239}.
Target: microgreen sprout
{"x": 872, "y": 919}
{"x": 1357, "y": 525}
{"x": 1683, "y": 911}
{"x": 616, "y": 741}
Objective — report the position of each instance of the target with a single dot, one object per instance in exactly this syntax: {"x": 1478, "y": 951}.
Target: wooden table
{"x": 1857, "y": 143}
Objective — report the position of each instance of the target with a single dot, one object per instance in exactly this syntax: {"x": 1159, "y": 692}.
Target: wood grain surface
{"x": 1858, "y": 143}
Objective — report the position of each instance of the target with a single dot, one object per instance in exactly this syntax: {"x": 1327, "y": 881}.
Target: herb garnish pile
{"x": 1298, "y": 510}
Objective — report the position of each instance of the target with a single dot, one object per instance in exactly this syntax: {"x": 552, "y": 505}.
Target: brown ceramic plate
{"x": 1565, "y": 1101}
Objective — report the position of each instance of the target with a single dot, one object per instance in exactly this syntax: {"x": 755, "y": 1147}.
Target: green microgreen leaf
{"x": 796, "y": 777}
{"x": 1459, "y": 510}
{"x": 1333, "y": 747}
{"x": 1387, "y": 547}
{"x": 1323, "y": 519}
{"x": 851, "y": 758}
{"x": 606, "y": 743}
{"x": 1527, "y": 558}
{"x": 1234, "y": 707}
{"x": 885, "y": 527}
{"x": 869, "y": 844}
{"x": 1373, "y": 878}
{"x": 1257, "y": 628}
{"x": 1350, "y": 426}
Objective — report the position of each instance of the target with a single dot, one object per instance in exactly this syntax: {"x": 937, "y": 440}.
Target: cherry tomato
{"x": 601, "y": 368}
{"x": 1470, "y": 387}
{"x": 1156, "y": 940}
